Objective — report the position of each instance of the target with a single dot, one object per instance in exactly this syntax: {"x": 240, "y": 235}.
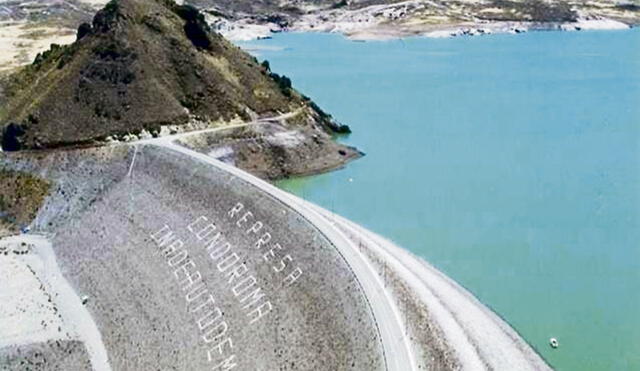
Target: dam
{"x": 187, "y": 262}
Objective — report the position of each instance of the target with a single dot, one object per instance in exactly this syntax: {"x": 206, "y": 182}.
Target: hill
{"x": 146, "y": 68}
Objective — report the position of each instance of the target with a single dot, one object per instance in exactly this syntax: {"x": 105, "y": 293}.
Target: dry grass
{"x": 21, "y": 196}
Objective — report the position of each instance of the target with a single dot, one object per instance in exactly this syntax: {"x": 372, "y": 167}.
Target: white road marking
{"x": 133, "y": 160}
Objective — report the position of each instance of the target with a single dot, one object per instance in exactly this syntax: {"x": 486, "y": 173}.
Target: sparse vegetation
{"x": 21, "y": 196}
{"x": 284, "y": 83}
{"x": 534, "y": 10}
{"x": 140, "y": 65}
{"x": 327, "y": 119}
{"x": 196, "y": 27}
{"x": 265, "y": 64}
{"x": 55, "y": 52}
{"x": 11, "y": 140}
{"x": 340, "y": 4}
{"x": 83, "y": 30}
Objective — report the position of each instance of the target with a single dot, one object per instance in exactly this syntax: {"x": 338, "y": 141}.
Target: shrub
{"x": 11, "y": 137}
{"x": 284, "y": 83}
{"x": 340, "y": 4}
{"x": 196, "y": 27}
{"x": 83, "y": 30}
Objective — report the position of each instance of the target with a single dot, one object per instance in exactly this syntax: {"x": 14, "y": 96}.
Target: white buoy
{"x": 554, "y": 343}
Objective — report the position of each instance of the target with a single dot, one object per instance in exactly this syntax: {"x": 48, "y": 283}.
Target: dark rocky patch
{"x": 535, "y": 11}
{"x": 11, "y": 140}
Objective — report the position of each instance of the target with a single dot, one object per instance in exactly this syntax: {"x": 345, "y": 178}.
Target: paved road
{"x": 479, "y": 337}
{"x": 175, "y": 137}
{"x": 396, "y": 344}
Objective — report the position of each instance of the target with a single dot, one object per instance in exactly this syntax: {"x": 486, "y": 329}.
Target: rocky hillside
{"x": 28, "y": 26}
{"x": 139, "y": 67}
{"x": 498, "y": 10}
{"x": 373, "y": 19}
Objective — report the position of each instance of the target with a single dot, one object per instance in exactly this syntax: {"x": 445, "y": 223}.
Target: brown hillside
{"x": 141, "y": 64}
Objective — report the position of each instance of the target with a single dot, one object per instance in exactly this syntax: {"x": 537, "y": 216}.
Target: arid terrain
{"x": 380, "y": 19}
{"x": 137, "y": 235}
{"x": 27, "y": 28}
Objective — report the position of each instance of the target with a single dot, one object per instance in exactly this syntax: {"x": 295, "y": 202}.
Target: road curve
{"x": 396, "y": 344}
{"x": 478, "y": 337}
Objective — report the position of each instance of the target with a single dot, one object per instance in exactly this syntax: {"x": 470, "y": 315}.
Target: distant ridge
{"x": 140, "y": 65}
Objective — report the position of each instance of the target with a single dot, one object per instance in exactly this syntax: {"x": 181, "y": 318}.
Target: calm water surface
{"x": 510, "y": 162}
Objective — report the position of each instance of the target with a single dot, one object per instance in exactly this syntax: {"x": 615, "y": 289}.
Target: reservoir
{"x": 510, "y": 162}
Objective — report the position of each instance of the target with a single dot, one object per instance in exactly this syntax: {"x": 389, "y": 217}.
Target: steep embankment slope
{"x": 135, "y": 229}
{"x": 425, "y": 319}
{"x": 188, "y": 262}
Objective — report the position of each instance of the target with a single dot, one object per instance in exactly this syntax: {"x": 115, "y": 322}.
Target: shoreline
{"x": 243, "y": 31}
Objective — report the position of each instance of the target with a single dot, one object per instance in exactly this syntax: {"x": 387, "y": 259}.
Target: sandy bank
{"x": 21, "y": 41}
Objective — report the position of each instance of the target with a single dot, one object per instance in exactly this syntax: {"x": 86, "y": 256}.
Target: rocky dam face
{"x": 189, "y": 267}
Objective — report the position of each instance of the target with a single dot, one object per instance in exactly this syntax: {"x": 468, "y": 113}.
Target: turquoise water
{"x": 510, "y": 162}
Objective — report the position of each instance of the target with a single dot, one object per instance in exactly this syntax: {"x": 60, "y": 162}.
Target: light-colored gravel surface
{"x": 38, "y": 305}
